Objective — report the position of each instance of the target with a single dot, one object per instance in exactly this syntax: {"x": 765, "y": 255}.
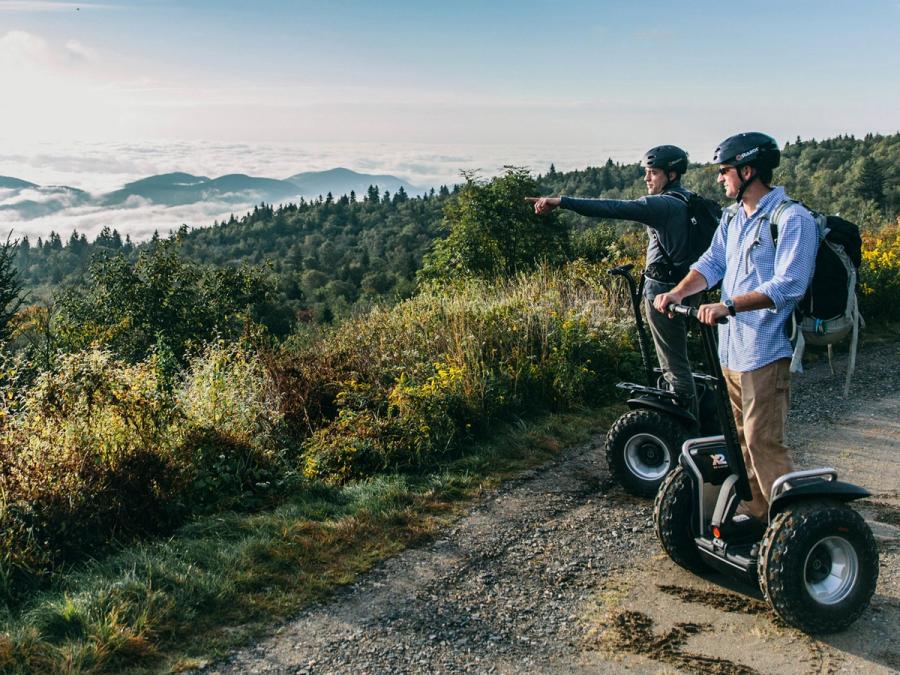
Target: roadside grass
{"x": 175, "y": 604}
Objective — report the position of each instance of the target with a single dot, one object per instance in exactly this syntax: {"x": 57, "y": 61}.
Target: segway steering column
{"x": 723, "y": 405}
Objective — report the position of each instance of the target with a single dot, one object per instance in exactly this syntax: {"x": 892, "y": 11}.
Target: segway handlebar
{"x": 635, "y": 291}
{"x": 687, "y": 310}
{"x": 621, "y": 270}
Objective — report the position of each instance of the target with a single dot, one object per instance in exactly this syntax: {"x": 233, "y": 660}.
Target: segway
{"x": 816, "y": 561}
{"x": 642, "y": 446}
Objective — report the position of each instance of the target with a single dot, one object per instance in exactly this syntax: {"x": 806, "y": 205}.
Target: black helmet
{"x": 751, "y": 149}
{"x": 666, "y": 157}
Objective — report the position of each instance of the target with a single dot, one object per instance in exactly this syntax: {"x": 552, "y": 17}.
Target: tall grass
{"x": 399, "y": 387}
{"x": 100, "y": 451}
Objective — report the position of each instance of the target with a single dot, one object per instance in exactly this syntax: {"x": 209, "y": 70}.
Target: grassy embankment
{"x": 291, "y": 469}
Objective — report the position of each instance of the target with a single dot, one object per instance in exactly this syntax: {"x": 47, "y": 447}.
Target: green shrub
{"x": 880, "y": 273}
{"x": 232, "y": 446}
{"x": 101, "y": 450}
{"x": 83, "y": 460}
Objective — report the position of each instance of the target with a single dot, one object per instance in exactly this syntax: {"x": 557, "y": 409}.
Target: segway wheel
{"x": 818, "y": 564}
{"x": 641, "y": 448}
{"x": 673, "y": 512}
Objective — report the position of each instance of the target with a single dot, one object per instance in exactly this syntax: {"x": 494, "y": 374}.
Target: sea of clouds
{"x": 97, "y": 168}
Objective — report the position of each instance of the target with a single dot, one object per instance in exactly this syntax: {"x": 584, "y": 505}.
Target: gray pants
{"x": 670, "y": 340}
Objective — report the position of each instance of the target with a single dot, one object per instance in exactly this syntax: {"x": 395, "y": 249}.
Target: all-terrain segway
{"x": 816, "y": 561}
{"x": 642, "y": 446}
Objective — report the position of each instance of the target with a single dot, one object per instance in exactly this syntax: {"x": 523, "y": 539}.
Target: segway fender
{"x": 834, "y": 490}
{"x": 662, "y": 406}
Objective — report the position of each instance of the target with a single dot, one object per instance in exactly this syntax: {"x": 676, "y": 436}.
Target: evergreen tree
{"x": 870, "y": 181}
{"x": 10, "y": 287}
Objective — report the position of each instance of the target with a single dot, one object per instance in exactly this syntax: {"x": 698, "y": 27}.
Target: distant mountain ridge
{"x": 30, "y": 200}
{"x": 341, "y": 181}
{"x": 180, "y": 189}
{"x": 9, "y": 183}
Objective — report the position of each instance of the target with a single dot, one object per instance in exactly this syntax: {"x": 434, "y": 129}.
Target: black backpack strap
{"x": 662, "y": 249}
{"x": 686, "y": 198}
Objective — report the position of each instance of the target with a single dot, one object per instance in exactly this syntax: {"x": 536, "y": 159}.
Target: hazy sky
{"x": 600, "y": 74}
{"x": 96, "y": 94}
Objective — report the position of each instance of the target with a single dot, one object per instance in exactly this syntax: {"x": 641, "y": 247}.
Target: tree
{"x": 10, "y": 287}
{"x": 870, "y": 181}
{"x": 493, "y": 232}
{"x": 161, "y": 299}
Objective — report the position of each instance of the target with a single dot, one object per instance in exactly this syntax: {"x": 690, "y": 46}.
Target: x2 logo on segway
{"x": 712, "y": 462}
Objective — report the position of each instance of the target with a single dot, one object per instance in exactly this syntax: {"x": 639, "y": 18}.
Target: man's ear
{"x": 673, "y": 176}
{"x": 746, "y": 172}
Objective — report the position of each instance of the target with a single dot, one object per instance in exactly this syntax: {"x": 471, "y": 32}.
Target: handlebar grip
{"x": 621, "y": 269}
{"x": 687, "y": 310}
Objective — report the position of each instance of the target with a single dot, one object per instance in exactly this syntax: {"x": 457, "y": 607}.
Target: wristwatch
{"x": 729, "y": 304}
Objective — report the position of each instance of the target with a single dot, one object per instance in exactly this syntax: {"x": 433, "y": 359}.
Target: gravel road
{"x": 559, "y": 571}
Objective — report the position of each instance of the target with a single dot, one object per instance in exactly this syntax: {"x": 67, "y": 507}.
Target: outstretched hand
{"x": 543, "y": 205}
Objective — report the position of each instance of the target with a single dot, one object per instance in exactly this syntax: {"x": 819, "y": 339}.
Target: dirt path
{"x": 559, "y": 572}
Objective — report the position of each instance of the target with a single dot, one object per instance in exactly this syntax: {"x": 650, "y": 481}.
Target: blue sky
{"x": 604, "y": 74}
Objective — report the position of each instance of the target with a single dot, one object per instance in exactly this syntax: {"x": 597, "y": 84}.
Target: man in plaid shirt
{"x": 761, "y": 285}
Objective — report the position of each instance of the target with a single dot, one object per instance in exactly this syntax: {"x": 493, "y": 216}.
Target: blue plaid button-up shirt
{"x": 744, "y": 258}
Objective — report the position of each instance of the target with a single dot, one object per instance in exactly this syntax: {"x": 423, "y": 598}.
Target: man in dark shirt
{"x": 668, "y": 253}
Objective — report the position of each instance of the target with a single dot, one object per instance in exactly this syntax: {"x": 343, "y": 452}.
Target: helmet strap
{"x": 745, "y": 183}
{"x": 669, "y": 181}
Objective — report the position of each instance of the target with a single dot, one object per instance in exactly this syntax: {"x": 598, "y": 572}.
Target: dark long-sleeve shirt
{"x": 665, "y": 214}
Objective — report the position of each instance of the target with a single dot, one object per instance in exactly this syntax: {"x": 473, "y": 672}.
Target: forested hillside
{"x": 324, "y": 257}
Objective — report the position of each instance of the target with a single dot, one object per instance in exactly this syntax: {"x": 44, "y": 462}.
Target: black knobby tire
{"x": 818, "y": 565}
{"x": 641, "y": 448}
{"x": 673, "y": 513}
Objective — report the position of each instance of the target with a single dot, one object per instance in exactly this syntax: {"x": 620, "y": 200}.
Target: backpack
{"x": 829, "y": 311}
{"x": 703, "y": 221}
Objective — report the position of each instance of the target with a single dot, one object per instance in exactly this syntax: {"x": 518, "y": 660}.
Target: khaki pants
{"x": 760, "y": 400}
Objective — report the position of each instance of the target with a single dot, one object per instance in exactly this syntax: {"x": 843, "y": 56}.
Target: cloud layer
{"x": 98, "y": 168}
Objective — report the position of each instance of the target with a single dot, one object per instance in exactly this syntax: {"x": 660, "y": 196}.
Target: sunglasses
{"x": 725, "y": 169}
